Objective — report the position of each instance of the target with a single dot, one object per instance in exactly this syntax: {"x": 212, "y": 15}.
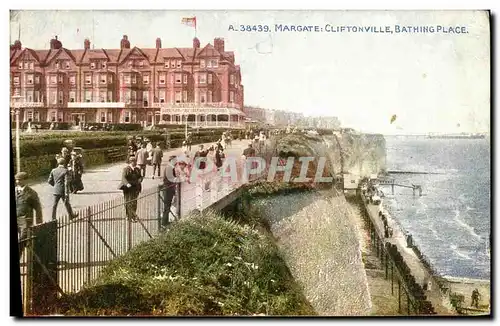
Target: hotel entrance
{"x": 77, "y": 118}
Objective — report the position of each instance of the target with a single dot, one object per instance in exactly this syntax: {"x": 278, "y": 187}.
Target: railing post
{"x": 158, "y": 205}
{"x": 399, "y": 296}
{"x": 28, "y": 287}
{"x": 178, "y": 199}
{"x": 89, "y": 242}
{"x": 129, "y": 232}
{"x": 392, "y": 278}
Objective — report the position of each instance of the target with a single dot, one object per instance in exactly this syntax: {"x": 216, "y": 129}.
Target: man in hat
{"x": 131, "y": 187}
{"x": 156, "y": 158}
{"x": 59, "y": 178}
{"x": 75, "y": 166}
{"x": 170, "y": 182}
{"x": 27, "y": 201}
{"x": 142, "y": 159}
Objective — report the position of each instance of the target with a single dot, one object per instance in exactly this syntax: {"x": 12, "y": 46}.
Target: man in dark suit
{"x": 59, "y": 178}
{"x": 27, "y": 201}
{"x": 131, "y": 187}
{"x": 156, "y": 157}
{"x": 170, "y": 181}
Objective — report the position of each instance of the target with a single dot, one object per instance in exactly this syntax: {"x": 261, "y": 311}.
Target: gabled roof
{"x": 56, "y": 53}
{"x": 127, "y": 52}
{"x": 42, "y": 54}
{"x": 113, "y": 54}
{"x": 151, "y": 54}
{"x": 19, "y": 53}
{"x": 168, "y": 53}
{"x": 208, "y": 51}
{"x": 93, "y": 54}
{"x": 78, "y": 54}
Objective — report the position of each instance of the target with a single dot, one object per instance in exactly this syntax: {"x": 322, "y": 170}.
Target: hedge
{"x": 203, "y": 265}
{"x": 40, "y": 165}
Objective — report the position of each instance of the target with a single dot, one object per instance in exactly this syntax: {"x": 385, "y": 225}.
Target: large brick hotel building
{"x": 127, "y": 85}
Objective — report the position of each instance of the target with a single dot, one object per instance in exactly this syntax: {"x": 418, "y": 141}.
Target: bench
{"x": 115, "y": 154}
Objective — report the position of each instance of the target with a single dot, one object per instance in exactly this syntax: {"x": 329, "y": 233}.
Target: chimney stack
{"x": 219, "y": 44}
{"x": 55, "y": 44}
{"x": 86, "y": 44}
{"x": 125, "y": 43}
{"x": 16, "y": 46}
{"x": 158, "y": 43}
{"x": 196, "y": 43}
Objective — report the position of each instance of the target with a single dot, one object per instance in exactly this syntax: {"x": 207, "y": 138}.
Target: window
{"x": 145, "y": 98}
{"x": 202, "y": 79}
{"x": 126, "y": 79}
{"x": 17, "y": 92}
{"x": 172, "y": 63}
{"x": 26, "y": 65}
{"x": 202, "y": 63}
{"x": 21, "y": 65}
{"x": 37, "y": 116}
{"x": 29, "y": 115}
{"x": 29, "y": 79}
{"x": 126, "y": 116}
{"x": 127, "y": 96}
{"x": 53, "y": 116}
{"x": 231, "y": 79}
{"x": 37, "y": 97}
{"x": 57, "y": 64}
{"x": 92, "y": 65}
{"x": 67, "y": 65}
{"x": 60, "y": 79}
{"x": 53, "y": 97}
{"x": 16, "y": 80}
{"x": 178, "y": 78}
{"x": 203, "y": 96}
{"x": 215, "y": 63}
{"x": 185, "y": 79}
{"x": 29, "y": 96}
{"x": 103, "y": 78}
{"x": 72, "y": 96}
{"x": 210, "y": 78}
{"x": 103, "y": 116}
{"x": 178, "y": 98}
{"x": 61, "y": 97}
{"x": 134, "y": 79}
{"x": 162, "y": 96}
{"x": 179, "y": 63}
{"x": 167, "y": 64}
{"x": 110, "y": 79}
{"x": 162, "y": 79}
{"x": 134, "y": 96}
{"x": 231, "y": 96}
{"x": 103, "y": 64}
{"x": 72, "y": 80}
{"x": 141, "y": 63}
{"x": 110, "y": 96}
{"x": 145, "y": 79}
{"x": 53, "y": 79}
{"x": 130, "y": 63}
{"x": 209, "y": 63}
{"x": 184, "y": 96}
{"x": 88, "y": 96}
{"x": 88, "y": 79}
{"x": 210, "y": 99}
{"x": 37, "y": 79}
{"x": 32, "y": 65}
{"x": 102, "y": 97}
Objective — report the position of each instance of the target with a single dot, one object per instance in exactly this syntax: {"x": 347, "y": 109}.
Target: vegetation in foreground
{"x": 204, "y": 265}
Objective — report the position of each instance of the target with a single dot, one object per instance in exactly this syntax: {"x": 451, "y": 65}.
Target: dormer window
{"x": 141, "y": 63}
{"x": 67, "y": 65}
{"x": 202, "y": 63}
{"x": 167, "y": 64}
{"x": 60, "y": 79}
{"x": 26, "y": 65}
{"x": 57, "y": 64}
{"x": 92, "y": 65}
{"x": 20, "y": 65}
{"x": 134, "y": 79}
{"x": 103, "y": 65}
{"x": 172, "y": 63}
{"x": 130, "y": 63}
{"x": 179, "y": 63}
{"x": 32, "y": 65}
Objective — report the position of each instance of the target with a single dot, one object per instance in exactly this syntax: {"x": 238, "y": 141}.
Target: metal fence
{"x": 102, "y": 232}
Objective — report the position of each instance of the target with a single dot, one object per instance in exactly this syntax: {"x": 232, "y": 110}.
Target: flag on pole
{"x": 190, "y": 21}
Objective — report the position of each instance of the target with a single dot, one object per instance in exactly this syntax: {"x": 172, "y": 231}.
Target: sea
{"x": 451, "y": 221}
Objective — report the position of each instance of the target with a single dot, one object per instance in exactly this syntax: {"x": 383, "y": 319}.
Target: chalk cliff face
{"x": 360, "y": 154}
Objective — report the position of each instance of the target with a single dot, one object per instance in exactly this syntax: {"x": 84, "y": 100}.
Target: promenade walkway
{"x": 101, "y": 184}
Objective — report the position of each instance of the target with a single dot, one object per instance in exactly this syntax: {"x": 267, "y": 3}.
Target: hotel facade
{"x": 128, "y": 85}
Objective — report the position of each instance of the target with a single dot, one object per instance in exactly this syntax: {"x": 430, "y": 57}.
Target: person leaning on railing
{"x": 131, "y": 187}
{"x": 27, "y": 201}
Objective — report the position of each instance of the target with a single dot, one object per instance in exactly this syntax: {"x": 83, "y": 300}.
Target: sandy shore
{"x": 321, "y": 246}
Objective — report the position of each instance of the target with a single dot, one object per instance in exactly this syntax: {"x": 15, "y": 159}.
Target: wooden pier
{"x": 392, "y": 183}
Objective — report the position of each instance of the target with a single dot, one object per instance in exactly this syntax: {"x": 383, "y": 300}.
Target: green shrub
{"x": 203, "y": 265}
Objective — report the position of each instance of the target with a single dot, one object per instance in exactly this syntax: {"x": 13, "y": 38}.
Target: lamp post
{"x": 17, "y": 108}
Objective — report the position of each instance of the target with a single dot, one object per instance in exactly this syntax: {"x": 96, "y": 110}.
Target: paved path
{"x": 101, "y": 183}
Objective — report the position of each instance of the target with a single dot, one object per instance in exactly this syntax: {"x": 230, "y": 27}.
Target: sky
{"x": 431, "y": 82}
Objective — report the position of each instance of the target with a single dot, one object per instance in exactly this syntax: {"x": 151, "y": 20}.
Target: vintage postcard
{"x": 251, "y": 163}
